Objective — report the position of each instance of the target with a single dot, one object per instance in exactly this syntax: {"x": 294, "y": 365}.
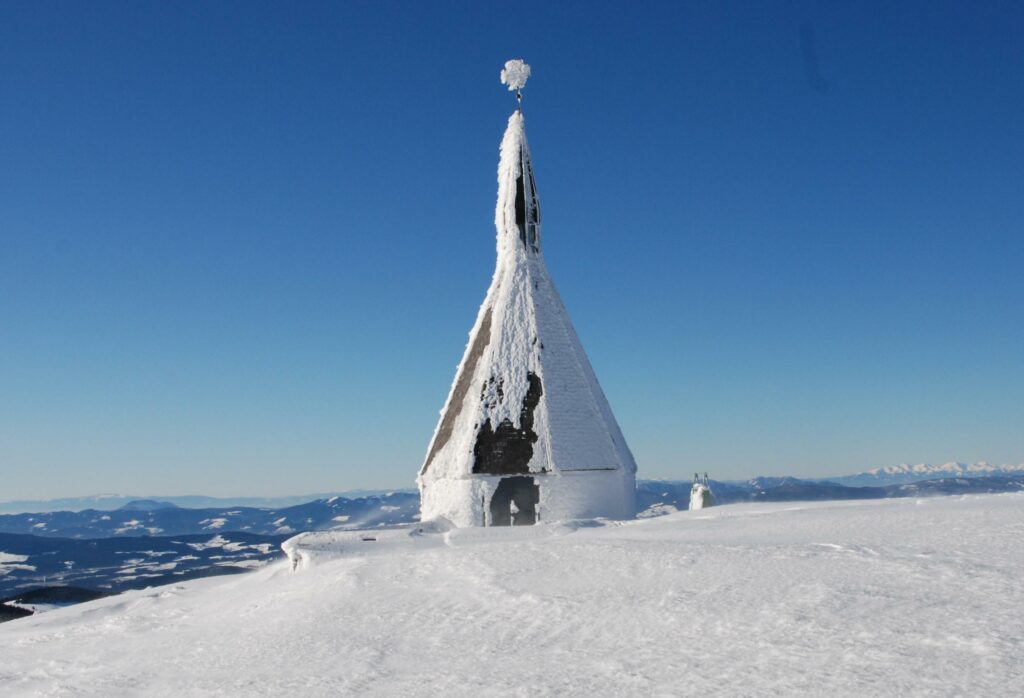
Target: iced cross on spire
{"x": 515, "y": 74}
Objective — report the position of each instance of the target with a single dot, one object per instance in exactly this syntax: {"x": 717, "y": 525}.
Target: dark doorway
{"x": 515, "y": 502}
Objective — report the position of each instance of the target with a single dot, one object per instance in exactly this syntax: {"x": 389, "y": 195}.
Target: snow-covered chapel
{"x": 526, "y": 434}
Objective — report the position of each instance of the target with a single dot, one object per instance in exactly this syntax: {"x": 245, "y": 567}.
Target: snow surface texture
{"x": 515, "y": 74}
{"x": 586, "y": 469}
{"x": 879, "y": 598}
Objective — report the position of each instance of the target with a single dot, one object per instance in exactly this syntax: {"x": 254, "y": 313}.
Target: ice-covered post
{"x": 515, "y": 74}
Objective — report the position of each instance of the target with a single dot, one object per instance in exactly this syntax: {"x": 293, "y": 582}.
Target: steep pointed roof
{"x": 518, "y": 208}
{"x": 525, "y": 398}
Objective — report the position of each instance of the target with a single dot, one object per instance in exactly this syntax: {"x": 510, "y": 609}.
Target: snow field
{"x": 887, "y": 597}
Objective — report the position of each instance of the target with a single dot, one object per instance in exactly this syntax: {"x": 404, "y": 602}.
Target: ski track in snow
{"x": 888, "y": 597}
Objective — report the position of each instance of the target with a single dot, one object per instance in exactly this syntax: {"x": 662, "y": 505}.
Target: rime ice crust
{"x": 515, "y": 74}
{"x": 525, "y": 401}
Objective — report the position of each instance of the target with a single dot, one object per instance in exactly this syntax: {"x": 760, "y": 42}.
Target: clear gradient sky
{"x": 242, "y": 244}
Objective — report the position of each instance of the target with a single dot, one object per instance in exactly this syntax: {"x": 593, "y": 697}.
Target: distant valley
{"x": 150, "y": 542}
{"x": 162, "y": 518}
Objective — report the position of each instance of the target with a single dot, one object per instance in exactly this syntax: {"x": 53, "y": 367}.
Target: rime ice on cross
{"x": 515, "y": 74}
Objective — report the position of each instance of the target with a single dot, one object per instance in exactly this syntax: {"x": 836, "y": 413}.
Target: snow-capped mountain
{"x": 903, "y": 473}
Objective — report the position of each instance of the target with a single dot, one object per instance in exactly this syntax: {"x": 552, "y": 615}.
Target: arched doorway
{"x": 515, "y": 502}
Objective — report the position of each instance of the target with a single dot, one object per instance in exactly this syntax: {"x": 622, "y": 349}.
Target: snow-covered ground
{"x": 885, "y": 597}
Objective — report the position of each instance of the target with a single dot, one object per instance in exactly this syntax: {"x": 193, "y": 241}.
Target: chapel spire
{"x": 518, "y": 209}
{"x": 526, "y": 434}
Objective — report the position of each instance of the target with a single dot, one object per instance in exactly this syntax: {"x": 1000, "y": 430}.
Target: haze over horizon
{"x": 241, "y": 245}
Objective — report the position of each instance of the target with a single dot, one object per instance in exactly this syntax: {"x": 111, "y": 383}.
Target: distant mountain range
{"x": 903, "y": 473}
{"x": 889, "y": 475}
{"x": 147, "y": 517}
{"x": 656, "y": 497}
{"x": 109, "y": 502}
{"x": 150, "y": 542}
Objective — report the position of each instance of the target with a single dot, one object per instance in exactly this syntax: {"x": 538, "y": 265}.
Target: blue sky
{"x": 241, "y": 244}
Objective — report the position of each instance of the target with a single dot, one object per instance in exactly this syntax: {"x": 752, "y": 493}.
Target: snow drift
{"x": 887, "y": 597}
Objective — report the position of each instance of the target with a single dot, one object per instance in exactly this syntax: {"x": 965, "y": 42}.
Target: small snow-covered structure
{"x": 526, "y": 433}
{"x": 701, "y": 496}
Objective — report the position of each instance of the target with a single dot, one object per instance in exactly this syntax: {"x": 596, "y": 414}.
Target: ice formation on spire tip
{"x": 526, "y": 434}
{"x": 515, "y": 74}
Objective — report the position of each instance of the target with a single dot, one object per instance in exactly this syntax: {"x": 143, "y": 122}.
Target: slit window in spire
{"x": 527, "y": 205}
{"x": 521, "y": 205}
{"x": 533, "y": 219}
